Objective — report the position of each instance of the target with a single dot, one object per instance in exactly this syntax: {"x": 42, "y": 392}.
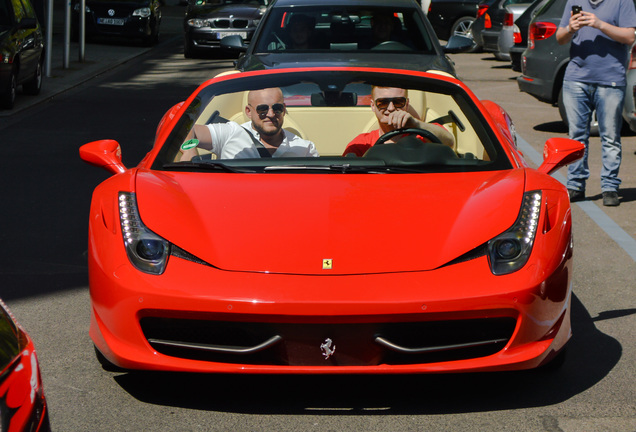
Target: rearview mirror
{"x": 458, "y": 44}
{"x": 234, "y": 42}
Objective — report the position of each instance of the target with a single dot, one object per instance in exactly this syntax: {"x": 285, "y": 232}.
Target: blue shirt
{"x": 595, "y": 58}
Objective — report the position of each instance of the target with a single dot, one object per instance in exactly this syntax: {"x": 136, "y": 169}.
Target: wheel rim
{"x": 464, "y": 28}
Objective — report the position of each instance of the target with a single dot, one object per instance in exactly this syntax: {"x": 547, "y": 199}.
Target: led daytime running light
{"x": 146, "y": 251}
{"x": 511, "y": 250}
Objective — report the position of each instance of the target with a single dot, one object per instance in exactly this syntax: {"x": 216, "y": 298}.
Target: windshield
{"x": 337, "y": 28}
{"x": 324, "y": 120}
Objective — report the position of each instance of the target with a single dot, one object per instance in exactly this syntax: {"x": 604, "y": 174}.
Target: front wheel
{"x": 105, "y": 363}
{"x": 34, "y": 85}
{"x": 7, "y": 97}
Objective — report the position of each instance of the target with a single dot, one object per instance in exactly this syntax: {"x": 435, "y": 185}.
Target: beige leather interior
{"x": 332, "y": 128}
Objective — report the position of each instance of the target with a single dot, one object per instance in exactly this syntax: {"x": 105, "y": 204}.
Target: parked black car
{"x": 450, "y": 17}
{"x": 346, "y": 32}
{"x": 130, "y": 19}
{"x": 21, "y": 51}
{"x": 207, "y": 22}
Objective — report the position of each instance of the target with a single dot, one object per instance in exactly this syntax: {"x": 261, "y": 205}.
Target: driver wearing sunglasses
{"x": 262, "y": 136}
{"x": 391, "y": 107}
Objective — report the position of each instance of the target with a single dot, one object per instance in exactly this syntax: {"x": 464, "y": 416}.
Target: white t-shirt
{"x": 230, "y": 141}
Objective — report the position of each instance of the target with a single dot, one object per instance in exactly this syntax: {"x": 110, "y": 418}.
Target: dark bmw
{"x": 130, "y": 19}
{"x": 209, "y": 21}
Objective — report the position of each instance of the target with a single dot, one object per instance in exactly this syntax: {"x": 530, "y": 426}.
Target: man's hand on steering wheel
{"x": 399, "y": 119}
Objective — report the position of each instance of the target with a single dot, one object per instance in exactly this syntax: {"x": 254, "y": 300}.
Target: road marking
{"x": 607, "y": 224}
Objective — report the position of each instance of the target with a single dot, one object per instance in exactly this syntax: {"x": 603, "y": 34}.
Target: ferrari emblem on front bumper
{"x": 328, "y": 348}
{"x": 327, "y": 264}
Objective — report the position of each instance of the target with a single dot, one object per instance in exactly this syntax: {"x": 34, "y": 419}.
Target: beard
{"x": 269, "y": 132}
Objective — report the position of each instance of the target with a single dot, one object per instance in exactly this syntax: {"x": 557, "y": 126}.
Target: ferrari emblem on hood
{"x": 327, "y": 264}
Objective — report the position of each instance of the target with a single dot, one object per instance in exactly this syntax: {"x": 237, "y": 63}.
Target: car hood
{"x": 362, "y": 223}
{"x": 420, "y": 62}
{"x": 237, "y": 10}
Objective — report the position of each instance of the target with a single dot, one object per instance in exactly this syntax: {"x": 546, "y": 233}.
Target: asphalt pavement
{"x": 99, "y": 57}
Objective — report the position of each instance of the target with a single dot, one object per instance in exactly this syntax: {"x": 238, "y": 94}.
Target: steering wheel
{"x": 410, "y": 131}
{"x": 391, "y": 45}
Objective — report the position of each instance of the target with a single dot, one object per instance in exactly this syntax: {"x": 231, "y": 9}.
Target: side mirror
{"x": 103, "y": 154}
{"x": 234, "y": 42}
{"x": 458, "y": 44}
{"x": 559, "y": 152}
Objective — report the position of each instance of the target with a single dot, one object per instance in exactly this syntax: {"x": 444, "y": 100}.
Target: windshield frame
{"x": 332, "y": 78}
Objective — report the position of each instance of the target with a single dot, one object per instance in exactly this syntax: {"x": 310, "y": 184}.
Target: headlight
{"x": 510, "y": 251}
{"x": 198, "y": 22}
{"x": 146, "y": 250}
{"x": 142, "y": 12}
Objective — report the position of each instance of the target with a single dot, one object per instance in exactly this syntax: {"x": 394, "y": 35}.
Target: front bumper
{"x": 198, "y": 319}
{"x": 132, "y": 27}
{"x": 206, "y": 38}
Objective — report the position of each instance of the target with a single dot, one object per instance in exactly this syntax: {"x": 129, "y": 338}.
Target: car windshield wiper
{"x": 210, "y": 166}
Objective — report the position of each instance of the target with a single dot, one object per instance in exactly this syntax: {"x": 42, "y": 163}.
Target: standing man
{"x": 601, "y": 32}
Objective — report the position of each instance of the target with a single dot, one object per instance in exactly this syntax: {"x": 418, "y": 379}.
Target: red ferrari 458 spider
{"x": 223, "y": 252}
{"x": 22, "y": 402}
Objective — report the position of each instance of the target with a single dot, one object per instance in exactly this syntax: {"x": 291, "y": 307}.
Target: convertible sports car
{"x": 416, "y": 257}
{"x": 22, "y": 403}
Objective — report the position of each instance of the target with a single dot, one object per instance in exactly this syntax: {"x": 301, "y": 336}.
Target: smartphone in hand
{"x": 576, "y": 9}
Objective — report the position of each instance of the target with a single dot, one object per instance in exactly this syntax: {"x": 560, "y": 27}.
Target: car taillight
{"x": 541, "y": 30}
{"x": 508, "y": 20}
{"x": 481, "y": 9}
{"x": 487, "y": 21}
{"x": 632, "y": 58}
{"x": 516, "y": 35}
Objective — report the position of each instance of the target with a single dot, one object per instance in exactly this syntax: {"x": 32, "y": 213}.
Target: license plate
{"x": 221, "y": 35}
{"x": 111, "y": 21}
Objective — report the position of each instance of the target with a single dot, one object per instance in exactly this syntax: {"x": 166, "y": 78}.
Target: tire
{"x": 105, "y": 363}
{"x": 188, "y": 50}
{"x": 556, "y": 363}
{"x": 7, "y": 97}
{"x": 34, "y": 85}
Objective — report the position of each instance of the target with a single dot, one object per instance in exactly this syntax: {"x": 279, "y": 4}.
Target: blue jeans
{"x": 580, "y": 100}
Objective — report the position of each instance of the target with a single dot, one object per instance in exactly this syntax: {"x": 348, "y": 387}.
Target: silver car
{"x": 507, "y": 34}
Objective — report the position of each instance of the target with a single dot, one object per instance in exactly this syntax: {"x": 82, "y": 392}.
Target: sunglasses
{"x": 263, "y": 109}
{"x": 383, "y": 103}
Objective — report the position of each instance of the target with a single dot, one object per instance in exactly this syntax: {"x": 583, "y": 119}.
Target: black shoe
{"x": 576, "y": 195}
{"x": 610, "y": 199}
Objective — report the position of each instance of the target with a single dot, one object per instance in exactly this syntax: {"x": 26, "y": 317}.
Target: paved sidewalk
{"x": 99, "y": 57}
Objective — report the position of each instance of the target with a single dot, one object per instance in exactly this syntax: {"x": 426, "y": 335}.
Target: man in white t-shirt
{"x": 263, "y": 136}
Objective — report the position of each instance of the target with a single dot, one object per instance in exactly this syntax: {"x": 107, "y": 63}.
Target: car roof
{"x": 393, "y": 3}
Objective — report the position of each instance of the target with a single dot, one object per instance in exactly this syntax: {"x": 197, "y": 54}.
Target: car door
{"x": 28, "y": 38}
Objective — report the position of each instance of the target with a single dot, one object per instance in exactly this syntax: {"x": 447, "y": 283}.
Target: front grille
{"x": 299, "y": 344}
{"x": 226, "y": 23}
{"x": 119, "y": 12}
